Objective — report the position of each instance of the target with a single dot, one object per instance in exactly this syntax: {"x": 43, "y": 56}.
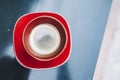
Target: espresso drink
{"x": 44, "y": 40}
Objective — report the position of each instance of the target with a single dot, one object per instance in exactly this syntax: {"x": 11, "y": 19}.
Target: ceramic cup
{"x": 44, "y": 38}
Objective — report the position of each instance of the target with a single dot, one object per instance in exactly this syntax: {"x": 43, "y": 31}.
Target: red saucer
{"x": 21, "y": 54}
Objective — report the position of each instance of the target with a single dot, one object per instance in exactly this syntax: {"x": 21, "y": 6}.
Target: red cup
{"x": 42, "y": 40}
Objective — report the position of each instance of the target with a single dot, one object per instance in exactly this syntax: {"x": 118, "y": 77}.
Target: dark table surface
{"x": 87, "y": 20}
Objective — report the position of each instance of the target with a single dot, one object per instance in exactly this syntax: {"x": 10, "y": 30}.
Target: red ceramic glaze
{"x": 24, "y": 57}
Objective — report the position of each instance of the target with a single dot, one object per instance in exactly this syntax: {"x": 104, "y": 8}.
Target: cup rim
{"x": 30, "y": 53}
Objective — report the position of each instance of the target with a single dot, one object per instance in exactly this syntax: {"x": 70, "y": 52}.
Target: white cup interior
{"x": 44, "y": 39}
